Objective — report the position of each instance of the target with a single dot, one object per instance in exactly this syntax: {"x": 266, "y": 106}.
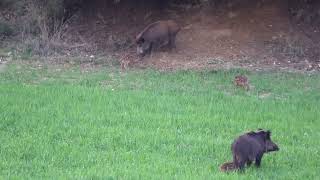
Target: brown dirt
{"x": 259, "y": 37}
{"x": 3, "y": 64}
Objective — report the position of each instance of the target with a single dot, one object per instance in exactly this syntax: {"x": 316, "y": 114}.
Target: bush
{"x": 42, "y": 24}
{"x": 5, "y": 29}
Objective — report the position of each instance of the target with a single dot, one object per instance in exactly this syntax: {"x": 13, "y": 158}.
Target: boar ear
{"x": 251, "y": 133}
{"x": 262, "y": 133}
{"x": 268, "y": 134}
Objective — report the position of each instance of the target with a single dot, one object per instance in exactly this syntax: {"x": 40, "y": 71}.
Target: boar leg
{"x": 239, "y": 163}
{"x": 258, "y": 160}
{"x": 149, "y": 51}
{"x": 172, "y": 42}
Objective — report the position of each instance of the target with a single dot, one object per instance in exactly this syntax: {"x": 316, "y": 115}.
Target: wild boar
{"x": 156, "y": 35}
{"x": 248, "y": 148}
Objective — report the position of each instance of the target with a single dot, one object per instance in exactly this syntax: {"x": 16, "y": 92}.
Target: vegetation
{"x": 40, "y": 24}
{"x": 65, "y": 123}
{"x": 84, "y": 121}
{"x": 5, "y": 29}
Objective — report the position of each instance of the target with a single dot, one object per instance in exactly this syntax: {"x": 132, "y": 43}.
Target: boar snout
{"x": 271, "y": 146}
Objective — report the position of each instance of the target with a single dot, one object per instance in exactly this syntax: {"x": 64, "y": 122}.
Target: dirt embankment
{"x": 256, "y": 35}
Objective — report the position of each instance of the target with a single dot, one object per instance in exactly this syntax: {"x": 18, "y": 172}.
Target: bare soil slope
{"x": 256, "y": 36}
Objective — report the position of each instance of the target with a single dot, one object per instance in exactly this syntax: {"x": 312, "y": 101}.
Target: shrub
{"x": 5, "y": 29}
{"x": 43, "y": 23}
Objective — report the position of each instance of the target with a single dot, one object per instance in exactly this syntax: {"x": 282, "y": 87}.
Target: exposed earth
{"x": 253, "y": 35}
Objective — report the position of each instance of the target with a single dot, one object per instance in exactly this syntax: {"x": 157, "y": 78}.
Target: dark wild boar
{"x": 156, "y": 35}
{"x": 248, "y": 148}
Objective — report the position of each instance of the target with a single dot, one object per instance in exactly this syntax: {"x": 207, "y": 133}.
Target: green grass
{"x": 59, "y": 123}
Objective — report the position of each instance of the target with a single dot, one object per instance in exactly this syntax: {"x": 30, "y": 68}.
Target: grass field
{"x": 60, "y": 123}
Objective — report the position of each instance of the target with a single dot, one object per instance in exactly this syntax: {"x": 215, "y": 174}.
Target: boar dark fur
{"x": 250, "y": 147}
{"x": 156, "y": 35}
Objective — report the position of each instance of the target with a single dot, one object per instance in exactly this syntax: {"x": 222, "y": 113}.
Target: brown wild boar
{"x": 248, "y": 148}
{"x": 242, "y": 81}
{"x": 227, "y": 166}
{"x": 157, "y": 35}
